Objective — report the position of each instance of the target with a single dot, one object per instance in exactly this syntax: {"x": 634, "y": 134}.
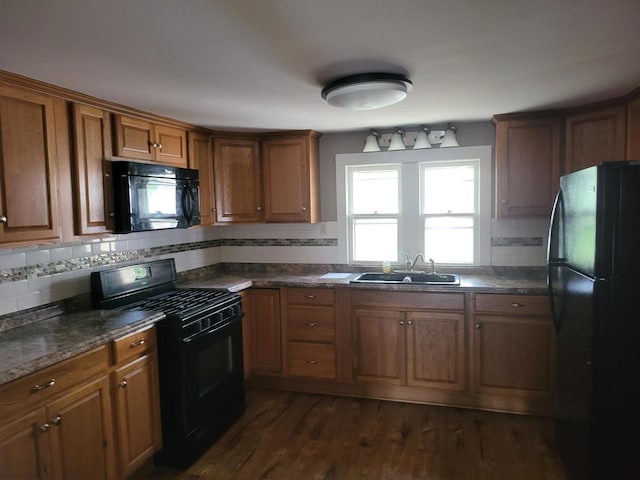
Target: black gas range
{"x": 199, "y": 353}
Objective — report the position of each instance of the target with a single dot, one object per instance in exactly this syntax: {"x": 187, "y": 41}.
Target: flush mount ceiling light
{"x": 367, "y": 91}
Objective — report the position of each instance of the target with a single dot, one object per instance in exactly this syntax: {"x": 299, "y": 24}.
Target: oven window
{"x": 214, "y": 364}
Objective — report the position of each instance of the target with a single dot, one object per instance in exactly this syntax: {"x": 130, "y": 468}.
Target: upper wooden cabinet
{"x": 633, "y": 128}
{"x": 528, "y": 153}
{"x": 92, "y": 179}
{"x": 595, "y": 136}
{"x": 29, "y": 209}
{"x": 144, "y": 140}
{"x": 291, "y": 186}
{"x": 238, "y": 180}
{"x": 201, "y": 159}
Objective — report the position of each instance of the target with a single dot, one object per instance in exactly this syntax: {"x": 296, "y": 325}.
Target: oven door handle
{"x": 214, "y": 329}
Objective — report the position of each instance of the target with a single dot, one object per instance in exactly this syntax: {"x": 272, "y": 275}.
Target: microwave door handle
{"x": 187, "y": 202}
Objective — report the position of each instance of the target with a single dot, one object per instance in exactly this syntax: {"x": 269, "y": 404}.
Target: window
{"x": 436, "y": 202}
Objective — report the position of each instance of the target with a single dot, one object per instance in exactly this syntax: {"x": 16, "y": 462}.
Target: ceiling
{"x": 261, "y": 64}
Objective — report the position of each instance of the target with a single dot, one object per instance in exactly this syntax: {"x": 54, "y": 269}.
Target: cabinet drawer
{"x": 315, "y": 324}
{"x": 312, "y": 360}
{"x": 133, "y": 345}
{"x": 512, "y": 304}
{"x": 408, "y": 300}
{"x": 310, "y": 296}
{"x": 49, "y": 382}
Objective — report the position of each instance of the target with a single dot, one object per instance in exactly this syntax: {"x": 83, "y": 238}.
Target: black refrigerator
{"x": 593, "y": 265}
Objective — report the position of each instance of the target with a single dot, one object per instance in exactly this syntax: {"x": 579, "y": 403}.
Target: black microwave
{"x": 154, "y": 197}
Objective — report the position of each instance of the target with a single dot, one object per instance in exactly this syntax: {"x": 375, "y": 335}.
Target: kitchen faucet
{"x": 412, "y": 263}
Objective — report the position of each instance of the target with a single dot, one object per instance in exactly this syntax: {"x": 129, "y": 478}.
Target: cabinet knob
{"x": 477, "y": 325}
{"x": 137, "y": 344}
{"x": 44, "y": 427}
{"x": 49, "y": 384}
{"x": 123, "y": 384}
{"x": 56, "y": 420}
{"x": 3, "y": 219}
{"x": 401, "y": 322}
{"x": 304, "y": 209}
{"x": 503, "y": 201}
{"x": 259, "y": 209}
{"x": 409, "y": 322}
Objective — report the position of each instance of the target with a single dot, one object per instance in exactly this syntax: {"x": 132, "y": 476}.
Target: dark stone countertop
{"x": 480, "y": 282}
{"x": 28, "y": 348}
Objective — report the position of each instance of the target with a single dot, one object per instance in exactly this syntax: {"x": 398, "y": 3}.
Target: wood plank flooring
{"x": 291, "y": 436}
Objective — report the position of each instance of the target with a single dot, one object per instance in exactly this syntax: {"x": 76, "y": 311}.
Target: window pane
{"x": 374, "y": 191}
{"x": 449, "y": 239}
{"x": 448, "y": 189}
{"x": 375, "y": 239}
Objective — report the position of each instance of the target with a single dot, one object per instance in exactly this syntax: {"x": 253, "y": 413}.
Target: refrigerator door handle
{"x": 554, "y": 258}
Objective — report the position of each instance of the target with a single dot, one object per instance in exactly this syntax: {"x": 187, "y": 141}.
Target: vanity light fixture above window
{"x": 401, "y": 139}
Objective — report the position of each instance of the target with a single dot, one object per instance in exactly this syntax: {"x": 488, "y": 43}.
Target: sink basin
{"x": 408, "y": 277}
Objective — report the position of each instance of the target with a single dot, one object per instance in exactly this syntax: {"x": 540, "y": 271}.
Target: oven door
{"x": 214, "y": 371}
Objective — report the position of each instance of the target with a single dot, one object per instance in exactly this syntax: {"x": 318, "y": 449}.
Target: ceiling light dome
{"x": 367, "y": 91}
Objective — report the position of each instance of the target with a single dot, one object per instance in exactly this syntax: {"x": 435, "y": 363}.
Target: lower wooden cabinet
{"x": 134, "y": 383}
{"x": 263, "y": 312}
{"x": 61, "y": 422}
{"x": 80, "y": 419}
{"x": 513, "y": 351}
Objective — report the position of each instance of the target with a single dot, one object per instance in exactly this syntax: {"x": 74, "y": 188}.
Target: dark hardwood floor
{"x": 291, "y": 436}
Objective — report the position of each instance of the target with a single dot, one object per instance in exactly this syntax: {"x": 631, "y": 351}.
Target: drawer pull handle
{"x": 123, "y": 384}
{"x": 50, "y": 383}
{"x": 44, "y": 427}
{"x": 57, "y": 419}
{"x": 517, "y": 305}
{"x": 137, "y": 344}
{"x": 311, "y": 362}
{"x": 310, "y": 324}
{"x": 309, "y": 296}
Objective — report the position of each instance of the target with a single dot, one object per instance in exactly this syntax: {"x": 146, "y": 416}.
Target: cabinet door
{"x": 379, "y": 353}
{"x": 595, "y": 137}
{"x": 263, "y": 310}
{"x": 286, "y": 180}
{"x": 527, "y": 166}
{"x": 92, "y": 180}
{"x": 201, "y": 159}
{"x": 80, "y": 433}
{"x": 237, "y": 180}
{"x": 436, "y": 350}
{"x": 633, "y": 129}
{"x": 171, "y": 146}
{"x": 513, "y": 355}
{"x": 23, "y": 449}
{"x": 137, "y": 412}
{"x": 28, "y": 167}
{"x": 134, "y": 138}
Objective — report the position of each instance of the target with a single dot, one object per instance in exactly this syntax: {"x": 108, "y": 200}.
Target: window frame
{"x": 411, "y": 202}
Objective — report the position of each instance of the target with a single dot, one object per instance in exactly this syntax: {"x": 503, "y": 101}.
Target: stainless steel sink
{"x": 408, "y": 277}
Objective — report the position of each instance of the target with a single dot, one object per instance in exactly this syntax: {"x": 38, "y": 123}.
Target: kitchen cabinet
{"x": 309, "y": 322}
{"x": 263, "y": 313}
{"x": 238, "y": 180}
{"x": 594, "y": 136}
{"x": 201, "y": 159}
{"x": 633, "y": 127}
{"x": 513, "y": 351}
{"x": 414, "y": 339}
{"x": 58, "y": 423}
{"x": 528, "y": 157}
{"x": 29, "y": 205}
{"x": 134, "y": 382}
{"x": 91, "y": 170}
{"x": 144, "y": 140}
{"x": 291, "y": 184}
